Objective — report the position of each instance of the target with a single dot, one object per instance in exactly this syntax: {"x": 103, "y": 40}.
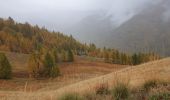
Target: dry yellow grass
{"x": 81, "y": 69}
{"x": 134, "y": 76}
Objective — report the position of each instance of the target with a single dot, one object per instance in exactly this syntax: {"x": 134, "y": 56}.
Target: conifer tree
{"x": 50, "y": 68}
{"x": 123, "y": 58}
{"x": 113, "y": 57}
{"x": 129, "y": 60}
{"x": 117, "y": 54}
{"x": 64, "y": 56}
{"x": 135, "y": 59}
{"x": 34, "y": 65}
{"x": 55, "y": 55}
{"x": 1, "y": 24}
{"x": 106, "y": 57}
{"x": 70, "y": 56}
{"x": 5, "y": 67}
{"x": 126, "y": 59}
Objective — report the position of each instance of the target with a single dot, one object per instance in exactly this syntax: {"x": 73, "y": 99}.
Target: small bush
{"x": 102, "y": 89}
{"x": 160, "y": 96}
{"x": 90, "y": 96}
{"x": 149, "y": 84}
{"x": 120, "y": 91}
{"x": 94, "y": 96}
{"x": 71, "y": 96}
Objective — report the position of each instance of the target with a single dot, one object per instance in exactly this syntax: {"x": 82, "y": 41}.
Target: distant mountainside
{"x": 93, "y": 29}
{"x": 148, "y": 30}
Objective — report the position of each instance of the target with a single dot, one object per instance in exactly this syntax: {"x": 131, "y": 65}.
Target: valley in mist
{"x": 84, "y": 50}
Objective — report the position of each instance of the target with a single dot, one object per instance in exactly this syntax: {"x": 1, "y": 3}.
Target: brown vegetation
{"x": 135, "y": 76}
{"x": 71, "y": 72}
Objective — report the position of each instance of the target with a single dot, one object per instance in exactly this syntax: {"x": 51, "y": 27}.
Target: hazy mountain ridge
{"x": 146, "y": 31}
{"x": 93, "y": 28}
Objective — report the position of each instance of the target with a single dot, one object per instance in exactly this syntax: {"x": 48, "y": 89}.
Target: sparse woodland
{"x": 48, "y": 48}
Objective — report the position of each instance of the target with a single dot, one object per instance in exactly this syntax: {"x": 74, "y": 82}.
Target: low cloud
{"x": 61, "y": 14}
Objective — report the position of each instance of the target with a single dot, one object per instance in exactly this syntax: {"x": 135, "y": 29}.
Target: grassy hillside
{"x": 81, "y": 69}
{"x": 134, "y": 76}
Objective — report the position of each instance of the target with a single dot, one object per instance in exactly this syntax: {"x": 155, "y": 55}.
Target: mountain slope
{"x": 147, "y": 31}
{"x": 93, "y": 28}
{"x": 135, "y": 75}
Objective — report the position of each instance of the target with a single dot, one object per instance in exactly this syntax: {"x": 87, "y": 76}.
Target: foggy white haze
{"x": 90, "y": 21}
{"x": 59, "y": 15}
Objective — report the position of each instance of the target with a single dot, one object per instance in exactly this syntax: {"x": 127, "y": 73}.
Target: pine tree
{"x": 50, "y": 68}
{"x": 123, "y": 58}
{"x": 113, "y": 57}
{"x": 106, "y": 57}
{"x": 129, "y": 60}
{"x": 64, "y": 56}
{"x": 55, "y": 71}
{"x": 117, "y": 54}
{"x": 1, "y": 24}
{"x": 5, "y": 67}
{"x": 34, "y": 64}
{"x": 70, "y": 56}
{"x": 55, "y": 55}
{"x": 126, "y": 59}
{"x": 135, "y": 59}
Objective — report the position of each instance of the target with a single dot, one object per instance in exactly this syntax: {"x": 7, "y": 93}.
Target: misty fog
{"x": 59, "y": 15}
{"x": 87, "y": 20}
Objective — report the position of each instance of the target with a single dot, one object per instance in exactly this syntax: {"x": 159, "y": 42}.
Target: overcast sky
{"x": 61, "y": 14}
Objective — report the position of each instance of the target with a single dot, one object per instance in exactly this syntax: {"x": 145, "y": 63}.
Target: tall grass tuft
{"x": 71, "y": 96}
{"x": 149, "y": 84}
{"x": 160, "y": 96}
{"x": 120, "y": 91}
{"x": 102, "y": 89}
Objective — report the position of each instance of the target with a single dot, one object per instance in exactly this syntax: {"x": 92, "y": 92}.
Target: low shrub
{"x": 160, "y": 96}
{"x": 120, "y": 91}
{"x": 71, "y": 96}
{"x": 102, "y": 89}
{"x": 149, "y": 84}
{"x": 90, "y": 96}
